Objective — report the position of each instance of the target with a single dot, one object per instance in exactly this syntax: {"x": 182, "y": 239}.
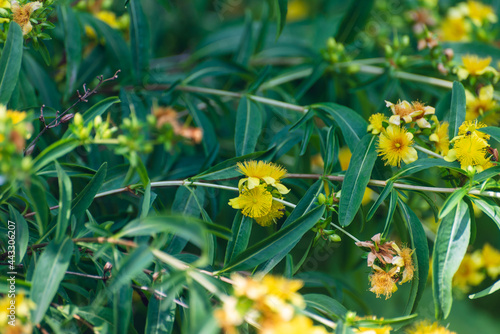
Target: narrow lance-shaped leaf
{"x": 49, "y": 272}
{"x": 242, "y": 227}
{"x": 139, "y": 40}
{"x": 248, "y": 126}
{"x": 457, "y": 112}
{"x": 65, "y": 194}
{"x": 10, "y": 62}
{"x": 72, "y": 46}
{"x": 357, "y": 178}
{"x": 86, "y": 196}
{"x": 450, "y": 247}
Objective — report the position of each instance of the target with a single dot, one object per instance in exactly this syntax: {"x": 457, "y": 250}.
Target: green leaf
{"x": 420, "y": 256}
{"x": 489, "y": 207}
{"x": 352, "y": 125}
{"x": 96, "y": 110}
{"x": 246, "y": 46}
{"x": 457, "y": 112}
{"x": 209, "y": 136}
{"x": 49, "y": 272}
{"x": 82, "y": 202}
{"x": 130, "y": 266}
{"x": 425, "y": 164}
{"x": 189, "y": 203}
{"x": 54, "y": 151}
{"x": 326, "y": 305}
{"x": 357, "y": 178}
{"x": 161, "y": 313}
{"x": 353, "y": 21}
{"x": 265, "y": 249}
{"x": 10, "y": 62}
{"x": 139, "y": 40}
{"x": 242, "y": 227}
{"x": 36, "y": 193}
{"x": 248, "y": 126}
{"x": 381, "y": 198}
{"x": 72, "y": 46}
{"x": 306, "y": 204}
{"x": 452, "y": 201}
{"x": 281, "y": 15}
{"x": 329, "y": 154}
{"x": 22, "y": 234}
{"x": 486, "y": 292}
{"x": 65, "y": 194}
{"x": 493, "y": 131}
{"x": 122, "y": 307}
{"x": 487, "y": 174}
{"x": 450, "y": 247}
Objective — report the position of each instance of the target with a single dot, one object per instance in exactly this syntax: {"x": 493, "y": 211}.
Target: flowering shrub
{"x": 237, "y": 166}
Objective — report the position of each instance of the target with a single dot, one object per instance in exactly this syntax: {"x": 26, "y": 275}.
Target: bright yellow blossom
{"x": 482, "y": 105}
{"x": 268, "y": 172}
{"x": 22, "y": 315}
{"x": 491, "y": 260}
{"x": 276, "y": 212}
{"x": 366, "y": 330}
{"x": 479, "y": 12}
{"x": 16, "y": 116}
{"x": 254, "y": 203}
{"x": 440, "y": 138}
{"x": 472, "y": 127}
{"x": 469, "y": 273}
{"x": 395, "y": 145}
{"x": 470, "y": 151}
{"x": 425, "y": 327}
{"x": 22, "y": 14}
{"x": 474, "y": 66}
{"x": 376, "y": 123}
{"x": 299, "y": 324}
{"x": 455, "y": 29}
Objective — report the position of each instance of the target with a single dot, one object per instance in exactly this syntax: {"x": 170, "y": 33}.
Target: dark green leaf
{"x": 493, "y": 131}
{"x": 54, "y": 151}
{"x": 10, "y": 62}
{"x": 352, "y": 125}
{"x": 356, "y": 179}
{"x": 326, "y": 305}
{"x": 122, "y": 308}
{"x": 450, "y": 247}
{"x": 130, "y": 266}
{"x": 265, "y": 249}
{"x": 489, "y": 207}
{"x": 36, "y": 193}
{"x": 72, "y": 46}
{"x": 22, "y": 234}
{"x": 457, "y": 112}
{"x": 209, "y": 136}
{"x": 381, "y": 198}
{"x": 248, "y": 126}
{"x": 82, "y": 202}
{"x": 354, "y": 20}
{"x": 420, "y": 256}
{"x": 424, "y": 164}
{"x": 139, "y": 40}
{"x": 49, "y": 272}
{"x": 452, "y": 201}
{"x": 65, "y": 194}
{"x": 242, "y": 227}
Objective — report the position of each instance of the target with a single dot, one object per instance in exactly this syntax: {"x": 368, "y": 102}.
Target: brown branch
{"x": 60, "y": 117}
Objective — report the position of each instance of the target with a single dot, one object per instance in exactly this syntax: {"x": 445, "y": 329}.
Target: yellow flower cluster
{"x": 483, "y": 106}
{"x": 14, "y": 130}
{"x": 271, "y": 303}
{"x": 475, "y": 266}
{"x": 258, "y": 189}
{"x": 20, "y": 323}
{"x": 461, "y": 20}
{"x": 471, "y": 147}
{"x": 390, "y": 264}
{"x": 426, "y": 327}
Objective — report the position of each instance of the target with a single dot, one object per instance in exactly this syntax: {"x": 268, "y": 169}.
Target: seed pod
{"x": 66, "y": 118}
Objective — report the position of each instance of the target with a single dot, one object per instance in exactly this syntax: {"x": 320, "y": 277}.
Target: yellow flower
{"x": 479, "y": 106}
{"x": 376, "y": 126}
{"x": 474, "y": 66}
{"x": 366, "y": 330}
{"x": 479, "y": 12}
{"x": 410, "y": 112}
{"x": 297, "y": 10}
{"x": 425, "y": 327}
{"x": 382, "y": 282}
{"x": 395, "y": 145}
{"x": 491, "y": 260}
{"x": 471, "y": 127}
{"x": 254, "y": 203}
{"x": 22, "y": 14}
{"x": 16, "y": 116}
{"x": 276, "y": 212}
{"x": 469, "y": 273}
{"x": 285, "y": 289}
{"x": 23, "y": 311}
{"x": 4, "y": 4}
{"x": 441, "y": 139}
{"x": 470, "y": 150}
{"x": 268, "y": 172}
{"x": 455, "y": 29}
{"x": 299, "y": 324}
{"x": 228, "y": 316}
{"x": 109, "y": 18}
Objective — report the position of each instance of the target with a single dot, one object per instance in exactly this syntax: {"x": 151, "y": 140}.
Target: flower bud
{"x": 97, "y": 121}
{"x": 321, "y": 199}
{"x": 66, "y": 118}
{"x": 78, "y": 119}
{"x": 335, "y": 238}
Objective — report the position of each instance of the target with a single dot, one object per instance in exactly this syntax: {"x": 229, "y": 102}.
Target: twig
{"x": 60, "y": 117}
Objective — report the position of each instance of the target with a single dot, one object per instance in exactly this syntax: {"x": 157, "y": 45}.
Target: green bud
{"x": 321, "y": 199}
{"x": 97, "y": 121}
{"x": 388, "y": 50}
{"x": 335, "y": 238}
{"x": 405, "y": 40}
{"x": 78, "y": 121}
{"x": 331, "y": 43}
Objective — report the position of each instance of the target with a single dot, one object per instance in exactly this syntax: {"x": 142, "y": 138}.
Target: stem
{"x": 429, "y": 152}
{"x": 345, "y": 232}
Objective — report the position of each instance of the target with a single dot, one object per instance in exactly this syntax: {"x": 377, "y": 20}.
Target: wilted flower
{"x": 382, "y": 282}
{"x": 22, "y": 14}
{"x": 410, "y": 112}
